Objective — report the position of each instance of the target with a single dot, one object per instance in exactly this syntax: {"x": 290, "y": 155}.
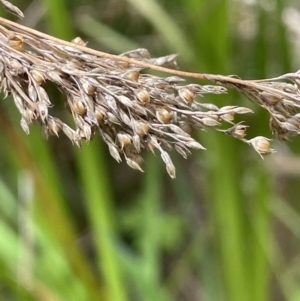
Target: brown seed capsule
{"x": 141, "y": 128}
{"x": 163, "y": 115}
{"x": 29, "y": 115}
{"x": 37, "y": 76}
{"x": 133, "y": 75}
{"x": 16, "y": 66}
{"x": 124, "y": 139}
{"x": 143, "y": 96}
{"x": 54, "y": 126}
{"x": 79, "y": 41}
{"x": 123, "y": 65}
{"x": 16, "y": 42}
{"x": 228, "y": 117}
{"x": 186, "y": 94}
{"x": 261, "y": 145}
{"x": 238, "y": 131}
{"x": 88, "y": 88}
{"x": 79, "y": 107}
{"x": 99, "y": 115}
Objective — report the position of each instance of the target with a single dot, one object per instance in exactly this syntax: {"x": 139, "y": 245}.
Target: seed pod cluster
{"x": 130, "y": 109}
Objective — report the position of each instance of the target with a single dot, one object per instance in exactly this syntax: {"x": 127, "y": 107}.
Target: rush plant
{"x": 131, "y": 109}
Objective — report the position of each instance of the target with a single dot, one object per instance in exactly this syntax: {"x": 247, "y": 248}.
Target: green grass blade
{"x": 97, "y": 191}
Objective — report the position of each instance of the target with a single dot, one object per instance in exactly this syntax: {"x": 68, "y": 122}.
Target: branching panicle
{"x": 110, "y": 95}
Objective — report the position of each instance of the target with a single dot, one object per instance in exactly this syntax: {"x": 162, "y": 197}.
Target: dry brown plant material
{"x": 112, "y": 96}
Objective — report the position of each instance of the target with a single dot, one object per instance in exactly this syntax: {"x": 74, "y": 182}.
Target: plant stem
{"x": 221, "y": 79}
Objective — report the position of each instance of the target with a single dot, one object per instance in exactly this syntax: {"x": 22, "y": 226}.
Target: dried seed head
{"x": 124, "y": 139}
{"x": 132, "y": 110}
{"x": 141, "y": 128}
{"x": 38, "y": 76}
{"x": 100, "y": 114}
{"x": 54, "y": 126}
{"x": 79, "y": 106}
{"x": 143, "y": 96}
{"x": 29, "y": 115}
{"x": 228, "y": 117}
{"x": 16, "y": 42}
{"x": 186, "y": 94}
{"x": 261, "y": 145}
{"x": 132, "y": 75}
{"x": 79, "y": 41}
{"x": 16, "y": 66}
{"x": 238, "y": 131}
{"x": 163, "y": 115}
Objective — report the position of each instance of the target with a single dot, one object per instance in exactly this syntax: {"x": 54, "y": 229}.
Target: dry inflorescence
{"x": 110, "y": 95}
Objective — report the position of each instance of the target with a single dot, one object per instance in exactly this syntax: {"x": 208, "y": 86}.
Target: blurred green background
{"x": 75, "y": 225}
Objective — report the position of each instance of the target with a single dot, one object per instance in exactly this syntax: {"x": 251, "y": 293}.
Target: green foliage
{"x": 76, "y": 226}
